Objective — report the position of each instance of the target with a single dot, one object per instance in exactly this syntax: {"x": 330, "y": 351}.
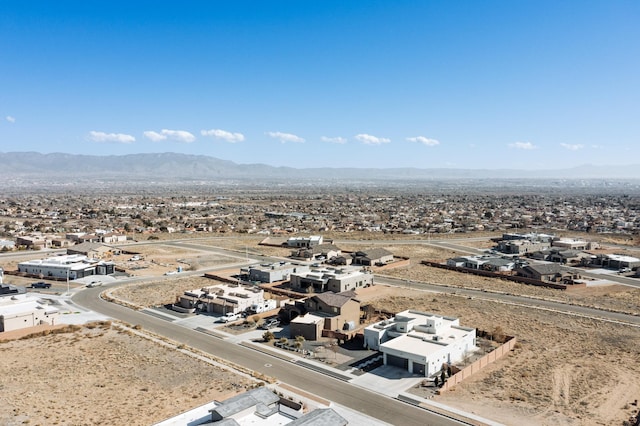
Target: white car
{"x": 230, "y": 317}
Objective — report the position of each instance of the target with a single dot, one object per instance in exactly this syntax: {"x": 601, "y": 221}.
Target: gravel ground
{"x": 566, "y": 370}
{"x": 102, "y": 375}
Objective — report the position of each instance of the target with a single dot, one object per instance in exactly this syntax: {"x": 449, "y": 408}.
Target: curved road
{"x": 359, "y": 399}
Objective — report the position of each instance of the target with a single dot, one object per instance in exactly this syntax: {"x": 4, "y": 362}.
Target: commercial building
{"x": 337, "y": 280}
{"x": 420, "y": 342}
{"x": 72, "y": 266}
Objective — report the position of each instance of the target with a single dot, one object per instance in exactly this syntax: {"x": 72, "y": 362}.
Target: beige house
{"x": 326, "y": 311}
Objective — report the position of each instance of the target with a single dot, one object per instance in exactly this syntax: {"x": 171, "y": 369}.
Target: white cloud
{"x": 522, "y": 145}
{"x": 154, "y": 136}
{"x": 10, "y": 119}
{"x": 371, "y": 140}
{"x": 111, "y": 137}
{"x": 572, "y": 147}
{"x": 285, "y": 137}
{"x": 179, "y": 135}
{"x": 176, "y": 135}
{"x": 224, "y": 135}
{"x": 424, "y": 140}
{"x": 337, "y": 139}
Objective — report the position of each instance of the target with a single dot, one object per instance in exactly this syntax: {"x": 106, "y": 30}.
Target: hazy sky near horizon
{"x": 462, "y": 84}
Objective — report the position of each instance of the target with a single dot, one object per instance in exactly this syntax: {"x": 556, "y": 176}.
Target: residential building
{"x": 549, "y": 272}
{"x": 319, "y": 252}
{"x": 90, "y": 250}
{"x": 71, "y": 266}
{"x": 326, "y": 311}
{"x": 573, "y": 244}
{"x": 615, "y": 261}
{"x": 520, "y": 247}
{"x": 220, "y": 299}
{"x": 20, "y": 310}
{"x": 420, "y": 342}
{"x": 273, "y": 272}
{"x": 304, "y": 242}
{"x": 261, "y": 406}
{"x": 7, "y": 245}
{"x": 337, "y": 280}
{"x": 372, "y": 257}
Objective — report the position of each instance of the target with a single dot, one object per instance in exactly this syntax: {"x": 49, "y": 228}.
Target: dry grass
{"x": 100, "y": 375}
{"x": 566, "y": 370}
{"x": 160, "y": 292}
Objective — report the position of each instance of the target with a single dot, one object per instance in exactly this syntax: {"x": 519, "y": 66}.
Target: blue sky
{"x": 462, "y": 84}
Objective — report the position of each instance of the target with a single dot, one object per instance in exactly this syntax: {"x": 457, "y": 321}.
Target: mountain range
{"x": 183, "y": 167}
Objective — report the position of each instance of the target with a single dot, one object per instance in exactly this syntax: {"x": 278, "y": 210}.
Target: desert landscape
{"x": 105, "y": 371}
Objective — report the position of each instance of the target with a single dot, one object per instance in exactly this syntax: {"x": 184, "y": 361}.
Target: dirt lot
{"x": 157, "y": 259}
{"x": 566, "y": 370}
{"x": 102, "y": 375}
{"x": 160, "y": 292}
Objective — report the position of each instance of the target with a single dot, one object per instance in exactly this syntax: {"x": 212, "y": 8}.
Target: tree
{"x": 442, "y": 376}
{"x": 268, "y": 336}
{"x": 435, "y": 381}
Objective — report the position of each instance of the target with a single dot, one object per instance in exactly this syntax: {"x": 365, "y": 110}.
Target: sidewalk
{"x": 386, "y": 380}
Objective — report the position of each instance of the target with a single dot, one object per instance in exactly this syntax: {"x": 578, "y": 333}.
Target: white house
{"x": 420, "y": 342}
{"x": 304, "y": 242}
{"x": 22, "y": 310}
{"x": 72, "y": 266}
{"x": 337, "y": 280}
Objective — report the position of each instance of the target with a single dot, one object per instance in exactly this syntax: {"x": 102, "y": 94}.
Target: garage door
{"x": 419, "y": 368}
{"x": 396, "y": 361}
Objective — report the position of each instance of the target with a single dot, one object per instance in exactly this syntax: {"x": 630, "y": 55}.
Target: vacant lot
{"x": 160, "y": 292}
{"x": 566, "y": 370}
{"x": 102, "y": 375}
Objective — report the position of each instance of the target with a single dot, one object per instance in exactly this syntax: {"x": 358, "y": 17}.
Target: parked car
{"x": 270, "y": 323}
{"x": 230, "y": 317}
{"x": 40, "y": 284}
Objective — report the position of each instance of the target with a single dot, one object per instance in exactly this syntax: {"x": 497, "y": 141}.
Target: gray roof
{"x": 546, "y": 269}
{"x": 320, "y": 417}
{"x": 374, "y": 253}
{"x": 498, "y": 261}
{"x": 333, "y": 299}
{"x": 259, "y": 398}
{"x": 86, "y": 247}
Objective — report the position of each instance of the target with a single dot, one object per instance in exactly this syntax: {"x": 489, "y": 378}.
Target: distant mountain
{"x": 182, "y": 167}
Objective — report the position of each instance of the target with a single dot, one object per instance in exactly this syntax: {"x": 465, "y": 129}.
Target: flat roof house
{"x": 220, "y": 299}
{"x": 72, "y": 266}
{"x": 337, "y": 280}
{"x": 420, "y": 342}
{"x": 18, "y": 311}
{"x": 273, "y": 272}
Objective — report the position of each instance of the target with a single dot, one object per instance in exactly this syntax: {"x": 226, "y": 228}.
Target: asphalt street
{"x": 359, "y": 399}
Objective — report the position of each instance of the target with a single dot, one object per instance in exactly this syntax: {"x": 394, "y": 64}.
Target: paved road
{"x": 362, "y": 400}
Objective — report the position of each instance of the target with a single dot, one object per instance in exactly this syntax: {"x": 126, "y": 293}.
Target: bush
{"x": 268, "y": 336}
